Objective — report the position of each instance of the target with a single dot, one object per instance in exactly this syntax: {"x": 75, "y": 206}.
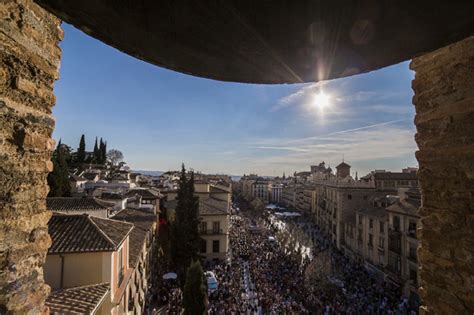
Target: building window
{"x": 203, "y": 227}
{"x": 412, "y": 252}
{"x": 216, "y": 227}
{"x": 203, "y": 246}
{"x": 371, "y": 240}
{"x": 349, "y": 197}
{"x": 412, "y": 229}
{"x": 371, "y": 223}
{"x": 120, "y": 267}
{"x": 381, "y": 242}
{"x": 414, "y": 276}
{"x": 215, "y": 246}
{"x": 382, "y": 227}
{"x": 381, "y": 259}
{"x": 396, "y": 223}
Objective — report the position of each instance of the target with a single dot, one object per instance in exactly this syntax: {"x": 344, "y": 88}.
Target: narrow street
{"x": 265, "y": 274}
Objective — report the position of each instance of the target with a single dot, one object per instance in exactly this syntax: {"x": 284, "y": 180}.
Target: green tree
{"x": 194, "y": 292}
{"x": 192, "y": 218}
{"x": 102, "y": 152}
{"x": 184, "y": 237}
{"x": 81, "y": 151}
{"x": 58, "y": 179}
{"x": 96, "y": 154}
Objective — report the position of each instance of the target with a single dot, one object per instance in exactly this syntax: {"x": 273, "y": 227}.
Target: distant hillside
{"x": 149, "y": 173}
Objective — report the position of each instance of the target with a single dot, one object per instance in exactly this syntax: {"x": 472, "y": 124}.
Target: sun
{"x": 321, "y": 100}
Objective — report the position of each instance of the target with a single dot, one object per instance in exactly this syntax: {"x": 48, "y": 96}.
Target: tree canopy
{"x": 114, "y": 156}
{"x": 185, "y": 238}
{"x": 58, "y": 179}
{"x": 194, "y": 292}
{"x": 81, "y": 150}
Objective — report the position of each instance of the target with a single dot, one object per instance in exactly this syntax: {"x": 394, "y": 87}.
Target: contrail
{"x": 350, "y": 130}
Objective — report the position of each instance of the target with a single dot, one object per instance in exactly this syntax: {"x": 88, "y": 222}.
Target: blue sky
{"x": 159, "y": 118}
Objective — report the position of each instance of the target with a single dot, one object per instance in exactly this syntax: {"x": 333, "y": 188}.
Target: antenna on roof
{"x": 343, "y": 158}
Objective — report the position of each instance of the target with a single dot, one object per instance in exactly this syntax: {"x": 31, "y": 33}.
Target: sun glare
{"x": 321, "y": 100}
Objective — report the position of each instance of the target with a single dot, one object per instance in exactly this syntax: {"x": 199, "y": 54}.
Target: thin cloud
{"x": 351, "y": 130}
{"x": 296, "y": 97}
{"x": 393, "y": 109}
{"x": 362, "y": 145}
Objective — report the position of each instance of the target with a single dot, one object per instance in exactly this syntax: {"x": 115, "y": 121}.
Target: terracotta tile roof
{"x": 78, "y": 300}
{"x": 143, "y": 222}
{"x": 214, "y": 189}
{"x": 212, "y": 206}
{"x": 73, "y": 204}
{"x": 84, "y": 233}
{"x": 144, "y": 192}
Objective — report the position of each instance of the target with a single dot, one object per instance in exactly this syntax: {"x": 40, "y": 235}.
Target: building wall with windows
{"x": 338, "y": 200}
{"x": 403, "y": 242}
{"x": 214, "y": 230}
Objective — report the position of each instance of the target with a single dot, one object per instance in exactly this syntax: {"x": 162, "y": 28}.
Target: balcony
{"x": 211, "y": 232}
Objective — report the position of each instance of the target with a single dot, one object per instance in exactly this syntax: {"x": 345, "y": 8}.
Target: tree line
{"x": 64, "y": 158}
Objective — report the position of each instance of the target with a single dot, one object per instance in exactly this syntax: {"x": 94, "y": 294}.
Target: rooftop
{"x": 143, "y": 222}
{"x": 144, "y": 192}
{"x": 77, "y": 300}
{"x": 78, "y": 204}
{"x": 212, "y": 206}
{"x": 84, "y": 233}
{"x": 372, "y": 211}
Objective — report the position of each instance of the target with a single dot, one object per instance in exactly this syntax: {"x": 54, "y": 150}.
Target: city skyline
{"x": 166, "y": 118}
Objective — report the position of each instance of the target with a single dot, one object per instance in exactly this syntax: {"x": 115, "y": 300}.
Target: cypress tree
{"x": 178, "y": 228}
{"x": 81, "y": 151}
{"x": 192, "y": 218}
{"x": 96, "y": 152}
{"x": 58, "y": 179}
{"x": 99, "y": 152}
{"x": 104, "y": 153}
{"x": 194, "y": 292}
{"x": 185, "y": 238}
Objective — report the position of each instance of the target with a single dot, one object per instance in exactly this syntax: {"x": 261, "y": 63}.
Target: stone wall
{"x": 444, "y": 102}
{"x": 29, "y": 65}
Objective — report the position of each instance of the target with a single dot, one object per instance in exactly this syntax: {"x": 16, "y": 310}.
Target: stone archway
{"x": 30, "y": 57}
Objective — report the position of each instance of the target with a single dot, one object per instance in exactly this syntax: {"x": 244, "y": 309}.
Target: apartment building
{"x": 288, "y": 196}
{"x": 88, "y": 253}
{"x": 214, "y": 228}
{"x": 275, "y": 192}
{"x": 404, "y": 221}
{"x": 214, "y": 213}
{"x": 391, "y": 181}
{"x": 143, "y": 255}
{"x": 336, "y": 202}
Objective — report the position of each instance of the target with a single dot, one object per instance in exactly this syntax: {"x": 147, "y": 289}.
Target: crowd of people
{"x": 261, "y": 276}
{"x": 359, "y": 292}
